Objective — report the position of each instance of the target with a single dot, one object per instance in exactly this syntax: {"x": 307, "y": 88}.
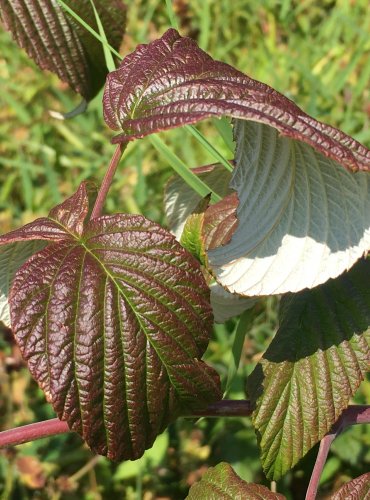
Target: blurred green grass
{"x": 316, "y": 53}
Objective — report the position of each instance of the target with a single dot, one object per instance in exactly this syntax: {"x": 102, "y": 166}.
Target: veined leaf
{"x": 112, "y": 318}
{"x": 221, "y": 483}
{"x": 172, "y": 82}
{"x": 12, "y": 257}
{"x": 299, "y": 218}
{"x": 312, "y": 367}
{"x": 58, "y": 43}
{"x": 357, "y": 489}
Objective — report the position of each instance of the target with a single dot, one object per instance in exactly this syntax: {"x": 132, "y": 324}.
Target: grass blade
{"x": 181, "y": 169}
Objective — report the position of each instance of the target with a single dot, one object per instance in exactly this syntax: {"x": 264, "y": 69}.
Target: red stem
{"x": 31, "y": 432}
{"x": 107, "y": 181}
{"x": 46, "y": 428}
{"x": 354, "y": 414}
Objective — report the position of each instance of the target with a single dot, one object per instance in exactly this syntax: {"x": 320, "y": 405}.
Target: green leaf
{"x": 113, "y": 317}
{"x": 12, "y": 257}
{"x": 312, "y": 367}
{"x": 357, "y": 489}
{"x": 221, "y": 483}
{"x": 301, "y": 217}
{"x": 58, "y": 43}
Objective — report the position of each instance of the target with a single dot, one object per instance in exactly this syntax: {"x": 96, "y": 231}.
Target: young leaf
{"x": 172, "y": 82}
{"x": 221, "y": 483}
{"x": 312, "y": 367}
{"x": 301, "y": 218}
{"x": 12, "y": 257}
{"x": 357, "y": 489}
{"x": 58, "y": 43}
{"x": 112, "y": 318}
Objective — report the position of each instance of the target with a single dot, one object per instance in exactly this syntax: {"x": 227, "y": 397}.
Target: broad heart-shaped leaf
{"x": 301, "y": 217}
{"x": 58, "y": 43}
{"x": 112, "y": 318}
{"x": 222, "y": 483}
{"x": 312, "y": 367}
{"x": 12, "y": 257}
{"x": 172, "y": 82}
{"x": 357, "y": 489}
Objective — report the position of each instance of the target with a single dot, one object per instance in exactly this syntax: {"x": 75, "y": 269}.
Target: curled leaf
{"x": 58, "y": 43}
{"x": 172, "y": 82}
{"x": 296, "y": 219}
{"x": 113, "y": 317}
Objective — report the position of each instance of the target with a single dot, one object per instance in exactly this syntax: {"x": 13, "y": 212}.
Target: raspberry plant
{"x": 113, "y": 314}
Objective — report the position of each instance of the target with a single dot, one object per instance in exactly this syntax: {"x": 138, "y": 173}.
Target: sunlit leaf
{"x": 172, "y": 82}
{"x": 58, "y": 43}
{"x": 357, "y": 489}
{"x": 312, "y": 367}
{"x": 221, "y": 483}
{"x": 113, "y": 317}
{"x": 298, "y": 219}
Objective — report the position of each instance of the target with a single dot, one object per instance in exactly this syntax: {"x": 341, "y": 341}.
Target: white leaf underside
{"x": 12, "y": 257}
{"x": 303, "y": 218}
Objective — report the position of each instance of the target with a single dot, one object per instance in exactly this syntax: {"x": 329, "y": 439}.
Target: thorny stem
{"x": 354, "y": 414}
{"x": 107, "y": 181}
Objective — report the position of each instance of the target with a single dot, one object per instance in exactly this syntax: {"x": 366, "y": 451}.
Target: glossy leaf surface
{"x": 58, "y": 43}
{"x": 357, "y": 489}
{"x": 299, "y": 218}
{"x": 312, "y": 367}
{"x": 172, "y": 82}
{"x": 113, "y": 317}
{"x": 221, "y": 483}
{"x": 12, "y": 257}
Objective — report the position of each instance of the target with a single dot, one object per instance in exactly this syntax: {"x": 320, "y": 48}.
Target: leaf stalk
{"x": 107, "y": 181}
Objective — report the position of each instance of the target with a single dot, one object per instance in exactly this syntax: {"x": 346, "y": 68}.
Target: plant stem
{"x": 354, "y": 414}
{"x": 32, "y": 432}
{"x": 107, "y": 181}
{"x": 38, "y": 430}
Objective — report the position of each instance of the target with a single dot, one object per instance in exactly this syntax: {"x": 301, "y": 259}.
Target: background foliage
{"x": 316, "y": 53}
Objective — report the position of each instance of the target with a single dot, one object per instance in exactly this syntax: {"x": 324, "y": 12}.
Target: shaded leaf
{"x": 112, "y": 318}
{"x": 58, "y": 43}
{"x": 296, "y": 220}
{"x": 221, "y": 483}
{"x": 172, "y": 82}
{"x": 226, "y": 305}
{"x": 12, "y": 257}
{"x": 312, "y": 367}
{"x": 357, "y": 489}
{"x": 180, "y": 200}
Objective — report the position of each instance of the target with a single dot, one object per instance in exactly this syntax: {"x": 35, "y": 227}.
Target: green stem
{"x": 107, "y": 181}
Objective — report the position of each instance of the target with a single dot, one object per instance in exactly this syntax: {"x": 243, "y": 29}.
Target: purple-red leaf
{"x": 113, "y": 317}
{"x": 357, "y": 489}
{"x": 172, "y": 82}
{"x": 58, "y": 43}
